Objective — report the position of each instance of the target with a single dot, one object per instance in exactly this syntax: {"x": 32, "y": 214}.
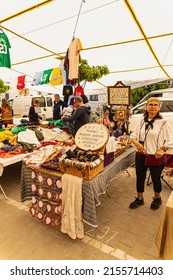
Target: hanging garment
{"x": 4, "y": 51}
{"x": 56, "y": 77}
{"x": 37, "y": 78}
{"x": 71, "y": 222}
{"x": 46, "y": 76}
{"x": 67, "y": 91}
{"x": 21, "y": 82}
{"x": 63, "y": 71}
{"x": 78, "y": 91}
{"x": 73, "y": 56}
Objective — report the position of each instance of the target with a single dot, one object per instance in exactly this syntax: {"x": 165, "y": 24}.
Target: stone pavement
{"x": 122, "y": 233}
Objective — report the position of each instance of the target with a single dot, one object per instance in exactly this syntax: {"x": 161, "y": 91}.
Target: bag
{"x": 150, "y": 160}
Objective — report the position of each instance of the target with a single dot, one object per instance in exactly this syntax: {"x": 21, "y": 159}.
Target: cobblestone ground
{"x": 122, "y": 233}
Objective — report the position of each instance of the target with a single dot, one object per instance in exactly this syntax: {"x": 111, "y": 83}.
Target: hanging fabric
{"x": 63, "y": 71}
{"x": 78, "y": 91}
{"x": 73, "y": 56}
{"x": 67, "y": 91}
{"x": 4, "y": 50}
{"x": 46, "y": 76}
{"x": 37, "y": 78}
{"x": 56, "y": 77}
{"x": 21, "y": 82}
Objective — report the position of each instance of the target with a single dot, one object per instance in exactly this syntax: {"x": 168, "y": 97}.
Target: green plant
{"x": 3, "y": 87}
{"x": 138, "y": 93}
{"x": 91, "y": 73}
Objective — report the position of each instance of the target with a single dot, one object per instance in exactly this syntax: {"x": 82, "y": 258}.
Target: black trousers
{"x": 141, "y": 172}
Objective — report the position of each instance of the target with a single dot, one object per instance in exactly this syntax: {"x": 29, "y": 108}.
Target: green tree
{"x": 138, "y": 93}
{"x": 91, "y": 73}
{"x": 3, "y": 87}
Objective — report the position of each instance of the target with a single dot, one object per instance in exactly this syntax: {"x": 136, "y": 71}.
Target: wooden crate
{"x": 119, "y": 152}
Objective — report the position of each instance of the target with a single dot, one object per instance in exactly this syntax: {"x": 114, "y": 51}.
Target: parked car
{"x": 166, "y": 110}
{"x": 168, "y": 92}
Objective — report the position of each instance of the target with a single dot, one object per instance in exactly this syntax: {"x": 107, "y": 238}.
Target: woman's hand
{"x": 141, "y": 148}
{"x": 159, "y": 153}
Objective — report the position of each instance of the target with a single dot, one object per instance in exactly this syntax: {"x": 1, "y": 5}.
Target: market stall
{"x": 43, "y": 187}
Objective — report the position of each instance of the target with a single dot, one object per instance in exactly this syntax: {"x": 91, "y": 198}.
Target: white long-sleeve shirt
{"x": 161, "y": 135}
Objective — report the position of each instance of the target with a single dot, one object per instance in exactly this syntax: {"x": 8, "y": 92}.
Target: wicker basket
{"x": 87, "y": 173}
{"x": 84, "y": 141}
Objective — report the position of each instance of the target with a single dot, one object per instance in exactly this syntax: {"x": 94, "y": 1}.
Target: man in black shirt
{"x": 58, "y": 106}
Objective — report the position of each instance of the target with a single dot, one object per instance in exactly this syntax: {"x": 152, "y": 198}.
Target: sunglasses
{"x": 153, "y": 105}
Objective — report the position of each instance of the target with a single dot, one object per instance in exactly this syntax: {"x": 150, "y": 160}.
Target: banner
{"x": 46, "y": 76}
{"x": 37, "y": 78}
{"x": 21, "y": 82}
{"x": 56, "y": 77}
{"x": 4, "y": 50}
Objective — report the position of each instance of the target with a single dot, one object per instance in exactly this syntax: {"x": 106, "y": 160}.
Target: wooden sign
{"x": 119, "y": 94}
{"x": 91, "y": 136}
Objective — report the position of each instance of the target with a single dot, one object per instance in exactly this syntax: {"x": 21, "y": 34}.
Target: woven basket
{"x": 88, "y": 173}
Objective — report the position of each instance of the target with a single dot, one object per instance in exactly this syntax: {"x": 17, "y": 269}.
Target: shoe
{"x": 155, "y": 204}
{"x": 136, "y": 203}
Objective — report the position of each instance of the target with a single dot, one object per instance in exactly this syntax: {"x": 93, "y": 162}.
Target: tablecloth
{"x": 91, "y": 190}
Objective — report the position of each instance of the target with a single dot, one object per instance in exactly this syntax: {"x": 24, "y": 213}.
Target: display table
{"x": 8, "y": 161}
{"x": 164, "y": 235}
{"x": 91, "y": 190}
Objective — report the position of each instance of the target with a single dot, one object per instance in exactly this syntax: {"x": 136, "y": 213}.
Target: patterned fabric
{"x": 91, "y": 190}
{"x": 46, "y": 188}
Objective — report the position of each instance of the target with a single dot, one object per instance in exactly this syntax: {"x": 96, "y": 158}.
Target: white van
{"x": 166, "y": 110}
{"x": 168, "y": 92}
{"x": 21, "y": 105}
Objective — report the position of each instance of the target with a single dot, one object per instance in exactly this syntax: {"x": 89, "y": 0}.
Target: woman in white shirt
{"x": 152, "y": 137}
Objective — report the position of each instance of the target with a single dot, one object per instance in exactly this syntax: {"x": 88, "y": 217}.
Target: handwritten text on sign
{"x": 119, "y": 96}
{"x": 91, "y": 136}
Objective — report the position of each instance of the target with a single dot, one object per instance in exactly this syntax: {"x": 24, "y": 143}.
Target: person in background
{"x": 58, "y": 107}
{"x": 34, "y": 112}
{"x": 80, "y": 116}
{"x": 6, "y": 112}
{"x": 152, "y": 136}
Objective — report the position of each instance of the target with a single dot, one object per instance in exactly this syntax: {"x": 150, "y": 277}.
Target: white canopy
{"x": 133, "y": 38}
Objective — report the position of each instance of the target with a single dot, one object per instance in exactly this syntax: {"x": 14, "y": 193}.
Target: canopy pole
{"x": 144, "y": 35}
{"x": 36, "y": 6}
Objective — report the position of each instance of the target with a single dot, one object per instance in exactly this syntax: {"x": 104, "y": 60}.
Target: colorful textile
{"x": 46, "y": 76}
{"x": 37, "y": 78}
{"x": 21, "y": 82}
{"x": 56, "y": 122}
{"x": 56, "y": 77}
{"x": 4, "y": 51}
{"x": 6, "y": 135}
{"x": 78, "y": 91}
{"x": 46, "y": 196}
{"x": 17, "y": 129}
{"x": 73, "y": 56}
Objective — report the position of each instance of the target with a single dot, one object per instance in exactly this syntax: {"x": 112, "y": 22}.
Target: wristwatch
{"x": 164, "y": 148}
